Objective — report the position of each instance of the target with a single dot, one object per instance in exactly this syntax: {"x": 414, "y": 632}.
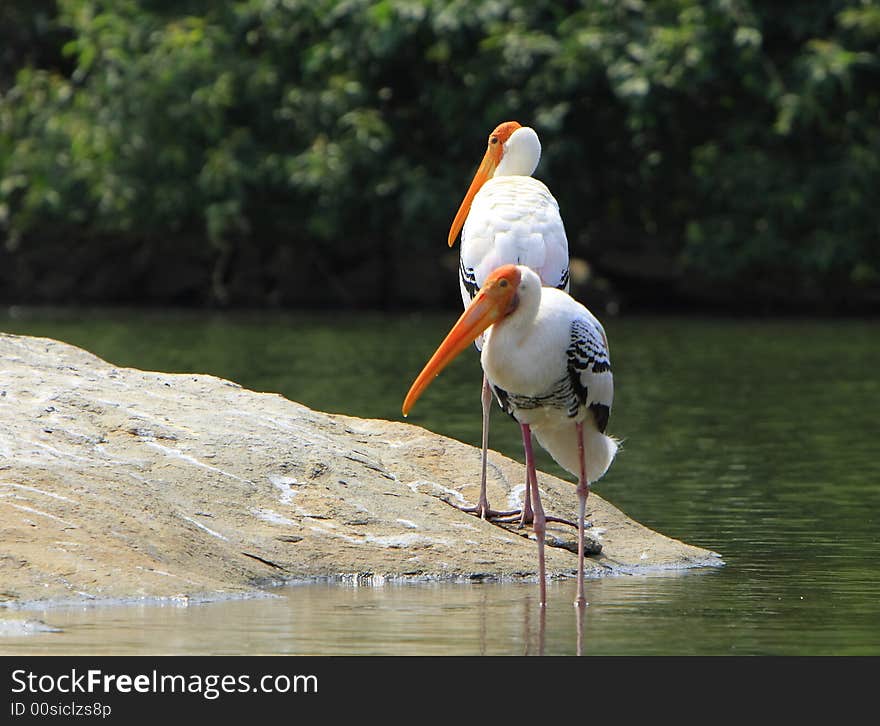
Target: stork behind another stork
{"x": 507, "y": 217}
{"x": 546, "y": 359}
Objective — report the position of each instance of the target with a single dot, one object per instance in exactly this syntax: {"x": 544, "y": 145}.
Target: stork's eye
{"x": 493, "y": 140}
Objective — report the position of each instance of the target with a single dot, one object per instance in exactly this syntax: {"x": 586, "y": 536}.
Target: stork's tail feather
{"x": 599, "y": 449}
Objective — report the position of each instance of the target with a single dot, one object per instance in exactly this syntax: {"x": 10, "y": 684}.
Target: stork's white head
{"x": 520, "y": 153}
{"x": 513, "y": 150}
{"x": 496, "y": 299}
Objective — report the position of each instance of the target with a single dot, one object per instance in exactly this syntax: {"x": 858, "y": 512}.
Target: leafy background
{"x": 721, "y": 154}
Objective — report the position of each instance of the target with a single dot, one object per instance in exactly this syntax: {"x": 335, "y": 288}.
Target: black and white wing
{"x": 589, "y": 369}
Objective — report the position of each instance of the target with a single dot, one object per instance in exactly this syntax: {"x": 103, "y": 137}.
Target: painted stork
{"x": 546, "y": 359}
{"x": 507, "y": 217}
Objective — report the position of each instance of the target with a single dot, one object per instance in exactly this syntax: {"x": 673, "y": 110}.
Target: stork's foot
{"x": 483, "y": 511}
{"x": 517, "y": 516}
{"x": 560, "y": 520}
{"x": 513, "y": 516}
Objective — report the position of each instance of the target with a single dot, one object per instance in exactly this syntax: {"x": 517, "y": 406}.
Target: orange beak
{"x": 484, "y": 173}
{"x": 494, "y": 300}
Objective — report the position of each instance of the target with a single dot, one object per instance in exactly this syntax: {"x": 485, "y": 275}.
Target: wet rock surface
{"x": 117, "y": 483}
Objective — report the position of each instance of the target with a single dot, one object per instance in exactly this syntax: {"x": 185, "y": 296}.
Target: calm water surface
{"x": 756, "y": 439}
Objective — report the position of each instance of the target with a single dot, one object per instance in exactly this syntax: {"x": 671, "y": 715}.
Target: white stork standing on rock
{"x": 508, "y": 217}
{"x": 546, "y": 358}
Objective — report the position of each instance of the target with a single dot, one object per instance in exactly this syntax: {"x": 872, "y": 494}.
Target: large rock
{"x": 119, "y": 483}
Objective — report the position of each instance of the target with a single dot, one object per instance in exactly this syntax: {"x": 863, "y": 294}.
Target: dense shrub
{"x": 287, "y": 151}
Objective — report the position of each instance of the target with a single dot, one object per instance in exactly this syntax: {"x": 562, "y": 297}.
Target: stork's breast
{"x": 515, "y": 220}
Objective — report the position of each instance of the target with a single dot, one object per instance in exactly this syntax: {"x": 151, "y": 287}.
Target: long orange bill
{"x": 484, "y": 173}
{"x": 484, "y": 310}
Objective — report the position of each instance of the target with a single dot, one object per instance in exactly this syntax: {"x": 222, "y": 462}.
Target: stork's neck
{"x": 522, "y": 152}
{"x": 528, "y": 301}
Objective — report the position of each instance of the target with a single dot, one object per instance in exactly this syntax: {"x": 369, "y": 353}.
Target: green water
{"x": 753, "y": 438}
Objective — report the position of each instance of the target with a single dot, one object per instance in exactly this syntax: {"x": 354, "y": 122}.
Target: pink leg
{"x": 528, "y": 515}
{"x": 583, "y": 490}
{"x": 482, "y": 509}
{"x": 579, "y": 625}
{"x": 539, "y": 519}
{"x": 542, "y": 627}
{"x": 486, "y": 401}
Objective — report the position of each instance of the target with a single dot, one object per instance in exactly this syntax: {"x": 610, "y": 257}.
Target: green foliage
{"x": 294, "y": 150}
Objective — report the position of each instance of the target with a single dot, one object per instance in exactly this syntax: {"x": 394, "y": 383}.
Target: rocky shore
{"x": 117, "y": 483}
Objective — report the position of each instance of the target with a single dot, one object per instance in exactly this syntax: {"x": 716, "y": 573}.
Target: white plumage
{"x": 507, "y": 217}
{"x": 546, "y": 358}
{"x": 549, "y": 364}
{"x": 513, "y": 220}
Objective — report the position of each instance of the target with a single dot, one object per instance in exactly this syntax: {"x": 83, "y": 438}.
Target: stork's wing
{"x": 513, "y": 220}
{"x": 589, "y": 368}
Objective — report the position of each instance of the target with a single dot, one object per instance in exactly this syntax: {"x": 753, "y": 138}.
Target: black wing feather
{"x": 587, "y": 353}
